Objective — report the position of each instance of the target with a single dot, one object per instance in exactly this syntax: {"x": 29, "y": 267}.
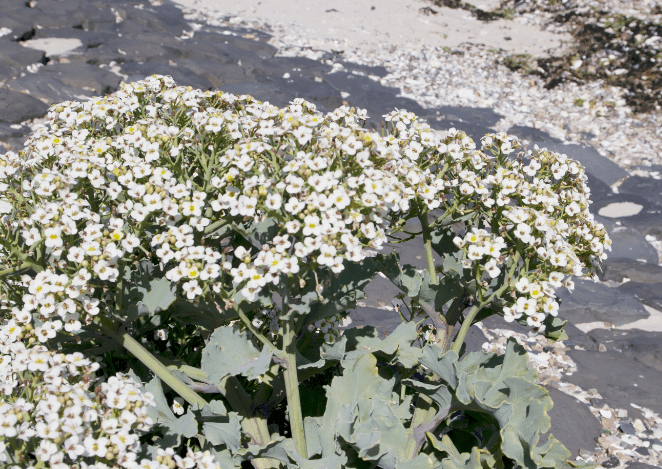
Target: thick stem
{"x": 427, "y": 243}
{"x": 292, "y": 387}
{"x": 462, "y": 333}
{"x": 423, "y": 413}
{"x": 147, "y": 359}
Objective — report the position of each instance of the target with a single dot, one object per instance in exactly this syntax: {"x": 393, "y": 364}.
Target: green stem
{"x": 249, "y": 325}
{"x": 292, "y": 387}
{"x": 147, "y": 359}
{"x": 423, "y": 413}
{"x": 16, "y": 268}
{"x": 471, "y": 315}
{"x": 427, "y": 243}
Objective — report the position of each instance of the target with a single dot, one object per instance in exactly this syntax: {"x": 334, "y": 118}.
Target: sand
{"x": 348, "y": 24}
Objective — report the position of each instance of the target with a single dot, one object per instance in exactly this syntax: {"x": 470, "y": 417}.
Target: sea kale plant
{"x": 176, "y": 267}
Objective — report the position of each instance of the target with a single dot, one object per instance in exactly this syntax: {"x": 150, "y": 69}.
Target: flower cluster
{"x": 157, "y": 171}
{"x": 54, "y": 408}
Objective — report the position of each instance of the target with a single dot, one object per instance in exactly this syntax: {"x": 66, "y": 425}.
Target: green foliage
{"x": 230, "y": 353}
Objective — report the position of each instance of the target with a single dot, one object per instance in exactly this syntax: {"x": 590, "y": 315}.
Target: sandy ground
{"x": 349, "y": 24}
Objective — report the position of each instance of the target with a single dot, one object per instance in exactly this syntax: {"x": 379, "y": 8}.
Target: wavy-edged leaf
{"x": 405, "y": 277}
{"x": 224, "y": 433}
{"x": 397, "y": 345}
{"x": 229, "y": 352}
{"x": 146, "y": 293}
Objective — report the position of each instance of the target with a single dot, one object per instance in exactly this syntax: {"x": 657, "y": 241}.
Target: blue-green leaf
{"x": 229, "y": 352}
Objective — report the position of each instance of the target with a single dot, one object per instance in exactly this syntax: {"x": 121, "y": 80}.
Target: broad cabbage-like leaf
{"x": 229, "y": 352}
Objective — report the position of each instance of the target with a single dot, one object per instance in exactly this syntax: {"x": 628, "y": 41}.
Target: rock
{"x": 615, "y": 376}
{"x": 646, "y": 188}
{"x": 639, "y": 426}
{"x": 573, "y": 424}
{"x": 626, "y": 427}
{"x": 637, "y": 272}
{"x": 531, "y": 134}
{"x": 648, "y": 293}
{"x": 473, "y": 115}
{"x": 628, "y": 243}
{"x": 591, "y": 302}
{"x": 61, "y": 82}
{"x": 641, "y": 465}
{"x": 643, "y": 346}
{"x": 643, "y": 451}
{"x": 14, "y": 58}
{"x": 18, "y": 107}
{"x": 613, "y": 461}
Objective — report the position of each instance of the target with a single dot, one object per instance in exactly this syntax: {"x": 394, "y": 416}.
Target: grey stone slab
{"x": 573, "y": 423}
{"x": 646, "y": 222}
{"x": 13, "y": 53}
{"x": 614, "y": 376}
{"x": 637, "y": 272}
{"x": 627, "y": 242}
{"x": 368, "y": 94}
{"x": 280, "y": 92}
{"x": 66, "y": 13}
{"x": 17, "y": 107}
{"x": 590, "y": 302}
{"x": 641, "y": 465}
{"x": 646, "y": 188}
{"x": 165, "y": 19}
{"x": 529, "y": 133}
{"x": 647, "y": 293}
{"x": 642, "y": 346}
{"x": 475, "y": 115}
{"x": 138, "y": 71}
{"x": 59, "y": 82}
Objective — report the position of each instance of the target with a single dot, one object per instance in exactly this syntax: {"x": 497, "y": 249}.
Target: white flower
{"x": 178, "y": 406}
{"x": 551, "y": 307}
{"x": 311, "y": 225}
{"x": 53, "y": 237}
{"x": 492, "y": 269}
{"x": 273, "y": 201}
{"x": 523, "y": 285}
{"x": 192, "y": 289}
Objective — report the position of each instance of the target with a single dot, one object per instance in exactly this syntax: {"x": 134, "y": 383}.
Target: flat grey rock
{"x": 614, "y": 376}
{"x": 18, "y": 107}
{"x": 646, "y": 188}
{"x": 529, "y": 133}
{"x": 640, "y": 272}
{"x": 628, "y": 242}
{"x": 648, "y": 293}
{"x": 641, "y": 465}
{"x": 573, "y": 423}
{"x": 642, "y": 346}
{"x": 60, "y": 82}
{"x": 14, "y": 58}
{"x": 591, "y": 302}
